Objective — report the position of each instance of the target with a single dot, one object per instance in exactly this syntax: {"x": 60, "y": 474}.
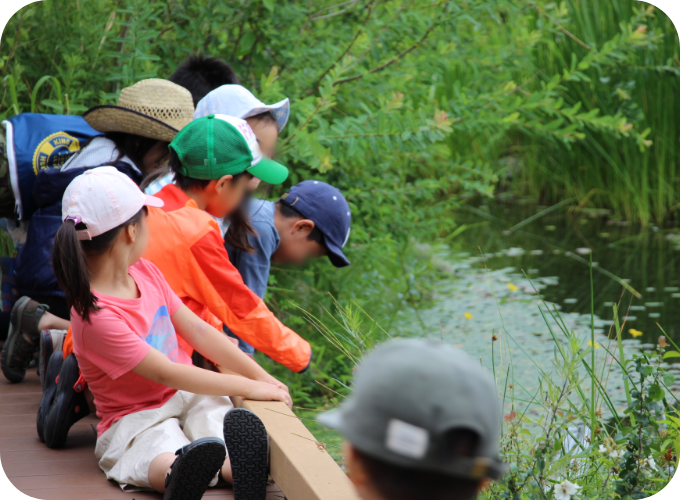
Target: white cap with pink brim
{"x": 102, "y": 199}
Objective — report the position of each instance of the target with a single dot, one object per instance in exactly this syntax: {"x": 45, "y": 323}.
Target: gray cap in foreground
{"x": 408, "y": 395}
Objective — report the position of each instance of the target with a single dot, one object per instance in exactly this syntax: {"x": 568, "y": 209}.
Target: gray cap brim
{"x": 331, "y": 419}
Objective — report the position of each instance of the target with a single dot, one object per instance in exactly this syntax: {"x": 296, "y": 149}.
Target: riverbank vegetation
{"x": 413, "y": 109}
{"x": 571, "y": 435}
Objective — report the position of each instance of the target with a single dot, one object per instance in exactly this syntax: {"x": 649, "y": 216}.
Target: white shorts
{"x": 126, "y": 450}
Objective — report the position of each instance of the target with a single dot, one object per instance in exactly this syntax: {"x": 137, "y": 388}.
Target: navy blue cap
{"x": 327, "y": 208}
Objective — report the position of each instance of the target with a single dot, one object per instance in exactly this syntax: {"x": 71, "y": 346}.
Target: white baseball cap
{"x": 103, "y": 198}
{"x": 238, "y": 101}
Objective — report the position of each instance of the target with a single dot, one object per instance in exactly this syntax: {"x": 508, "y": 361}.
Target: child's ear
{"x": 131, "y": 230}
{"x": 222, "y": 182}
{"x": 356, "y": 469}
{"x": 304, "y": 226}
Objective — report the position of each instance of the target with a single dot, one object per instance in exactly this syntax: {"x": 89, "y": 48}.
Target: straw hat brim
{"x": 109, "y": 118}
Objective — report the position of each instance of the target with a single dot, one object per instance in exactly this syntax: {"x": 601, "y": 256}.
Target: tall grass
{"x": 639, "y": 184}
{"x": 569, "y": 430}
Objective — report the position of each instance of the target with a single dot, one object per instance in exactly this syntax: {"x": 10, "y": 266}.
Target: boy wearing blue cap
{"x": 311, "y": 220}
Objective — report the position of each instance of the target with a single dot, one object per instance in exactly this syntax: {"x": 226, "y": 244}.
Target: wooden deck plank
{"x": 20, "y": 409}
{"x": 29, "y": 430}
{"x": 20, "y": 398}
{"x": 51, "y": 468}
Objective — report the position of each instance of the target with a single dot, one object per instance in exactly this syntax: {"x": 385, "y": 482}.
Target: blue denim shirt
{"x": 254, "y": 267}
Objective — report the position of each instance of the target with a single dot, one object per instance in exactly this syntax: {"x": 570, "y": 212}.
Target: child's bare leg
{"x": 159, "y": 469}
{"x": 225, "y": 471}
{"x": 49, "y": 321}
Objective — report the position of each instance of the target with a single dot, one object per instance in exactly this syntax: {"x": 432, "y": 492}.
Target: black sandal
{"x": 195, "y": 466}
{"x": 248, "y": 446}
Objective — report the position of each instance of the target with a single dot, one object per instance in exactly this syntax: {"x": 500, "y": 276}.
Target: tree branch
{"x": 391, "y": 61}
{"x": 16, "y": 37}
{"x": 315, "y": 87}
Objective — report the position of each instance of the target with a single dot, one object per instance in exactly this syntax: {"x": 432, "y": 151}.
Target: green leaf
{"x": 671, "y": 354}
{"x": 54, "y": 104}
{"x": 269, "y": 5}
{"x": 668, "y": 379}
{"x": 656, "y": 393}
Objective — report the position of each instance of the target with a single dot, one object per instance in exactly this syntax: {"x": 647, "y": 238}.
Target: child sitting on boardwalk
{"x": 423, "y": 421}
{"x": 214, "y": 158}
{"x": 161, "y": 417}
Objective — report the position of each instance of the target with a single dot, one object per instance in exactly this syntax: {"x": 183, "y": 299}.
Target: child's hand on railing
{"x": 265, "y": 391}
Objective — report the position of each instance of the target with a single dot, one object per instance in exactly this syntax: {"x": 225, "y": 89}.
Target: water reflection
{"x": 537, "y": 262}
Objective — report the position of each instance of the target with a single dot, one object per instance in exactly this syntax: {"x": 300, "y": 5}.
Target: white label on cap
{"x": 406, "y": 439}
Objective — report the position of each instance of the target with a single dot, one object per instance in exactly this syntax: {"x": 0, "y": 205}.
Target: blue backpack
{"x": 37, "y": 142}
{"x": 37, "y": 146}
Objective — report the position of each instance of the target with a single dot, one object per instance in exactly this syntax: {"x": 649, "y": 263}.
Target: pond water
{"x": 557, "y": 246}
{"x": 501, "y": 279}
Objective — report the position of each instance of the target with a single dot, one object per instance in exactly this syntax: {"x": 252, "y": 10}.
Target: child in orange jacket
{"x": 211, "y": 158}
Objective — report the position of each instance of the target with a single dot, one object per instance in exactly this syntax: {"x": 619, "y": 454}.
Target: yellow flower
{"x": 512, "y": 287}
{"x": 590, "y": 343}
{"x": 468, "y": 316}
{"x": 635, "y": 333}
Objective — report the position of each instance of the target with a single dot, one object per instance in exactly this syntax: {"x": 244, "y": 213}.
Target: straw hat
{"x": 152, "y": 108}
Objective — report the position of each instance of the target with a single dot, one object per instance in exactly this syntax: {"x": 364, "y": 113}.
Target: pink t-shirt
{"x": 118, "y": 338}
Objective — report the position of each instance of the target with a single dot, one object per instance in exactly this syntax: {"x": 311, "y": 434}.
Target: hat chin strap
{"x": 83, "y": 234}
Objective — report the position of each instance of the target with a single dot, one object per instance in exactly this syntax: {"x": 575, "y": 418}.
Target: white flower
{"x": 616, "y": 453}
{"x": 565, "y": 490}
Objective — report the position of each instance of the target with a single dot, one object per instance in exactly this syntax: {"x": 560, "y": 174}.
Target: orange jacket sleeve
{"x": 233, "y": 303}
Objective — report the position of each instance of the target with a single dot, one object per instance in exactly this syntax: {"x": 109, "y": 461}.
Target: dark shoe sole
{"x": 44, "y": 356}
{"x": 193, "y": 470}
{"x": 248, "y": 447}
{"x": 51, "y": 373}
{"x": 13, "y": 375}
{"x": 68, "y": 407}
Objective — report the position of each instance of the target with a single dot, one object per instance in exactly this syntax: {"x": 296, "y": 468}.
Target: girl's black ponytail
{"x": 69, "y": 260}
{"x": 70, "y": 267}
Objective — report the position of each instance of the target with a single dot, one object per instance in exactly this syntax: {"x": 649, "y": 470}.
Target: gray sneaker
{"x": 23, "y": 338}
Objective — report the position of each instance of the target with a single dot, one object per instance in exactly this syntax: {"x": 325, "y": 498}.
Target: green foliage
{"x": 635, "y": 80}
{"x": 408, "y": 107}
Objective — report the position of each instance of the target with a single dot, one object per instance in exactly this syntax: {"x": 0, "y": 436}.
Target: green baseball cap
{"x": 219, "y": 145}
{"x": 408, "y": 395}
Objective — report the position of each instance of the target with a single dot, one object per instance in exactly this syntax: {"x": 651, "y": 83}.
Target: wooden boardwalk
{"x": 71, "y": 473}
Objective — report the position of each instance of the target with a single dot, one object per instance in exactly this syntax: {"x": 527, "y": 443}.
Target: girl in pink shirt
{"x": 162, "y": 419}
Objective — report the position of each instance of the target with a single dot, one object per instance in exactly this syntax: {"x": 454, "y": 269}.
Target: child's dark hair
{"x": 199, "y": 75}
{"x": 69, "y": 260}
{"x": 133, "y": 146}
{"x": 266, "y": 117}
{"x": 239, "y": 223}
{"x": 289, "y": 212}
{"x": 400, "y": 483}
